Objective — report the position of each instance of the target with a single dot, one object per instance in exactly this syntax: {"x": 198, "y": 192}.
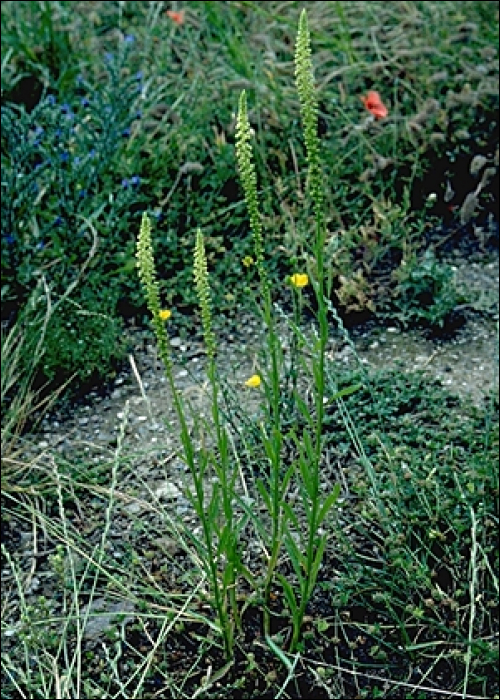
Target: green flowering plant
{"x": 220, "y": 547}
{"x": 218, "y": 550}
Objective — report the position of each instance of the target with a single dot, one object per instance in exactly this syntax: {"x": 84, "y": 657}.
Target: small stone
{"x": 175, "y": 342}
{"x": 169, "y": 545}
{"x": 133, "y": 508}
{"x": 101, "y": 616}
{"x": 167, "y": 490}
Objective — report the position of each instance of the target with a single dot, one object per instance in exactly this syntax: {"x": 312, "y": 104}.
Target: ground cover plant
{"x": 331, "y": 533}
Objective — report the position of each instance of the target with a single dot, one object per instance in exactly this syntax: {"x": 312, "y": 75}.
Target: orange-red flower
{"x": 373, "y": 103}
{"x": 177, "y": 17}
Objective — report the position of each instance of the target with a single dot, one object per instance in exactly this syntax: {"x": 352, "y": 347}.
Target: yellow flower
{"x": 165, "y": 314}
{"x": 253, "y": 382}
{"x": 299, "y": 280}
{"x": 247, "y": 261}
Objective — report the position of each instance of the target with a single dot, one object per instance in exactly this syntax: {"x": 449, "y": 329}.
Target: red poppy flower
{"x": 177, "y": 17}
{"x": 373, "y": 103}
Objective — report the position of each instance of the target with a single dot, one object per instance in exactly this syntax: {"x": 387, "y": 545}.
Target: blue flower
{"x": 139, "y": 75}
{"x": 51, "y": 100}
{"x": 40, "y": 245}
{"x": 82, "y": 194}
{"x": 9, "y": 239}
{"x": 135, "y": 180}
{"x": 126, "y": 132}
{"x": 125, "y": 183}
{"x": 108, "y": 57}
{"x": 84, "y": 102}
{"x": 129, "y": 38}
{"x": 64, "y": 156}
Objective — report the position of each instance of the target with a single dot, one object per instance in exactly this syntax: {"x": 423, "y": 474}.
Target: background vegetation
{"x": 112, "y": 108}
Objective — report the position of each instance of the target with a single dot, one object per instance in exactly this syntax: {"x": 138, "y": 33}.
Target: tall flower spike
{"x": 249, "y": 180}
{"x": 203, "y": 291}
{"x": 147, "y": 276}
{"x": 304, "y": 77}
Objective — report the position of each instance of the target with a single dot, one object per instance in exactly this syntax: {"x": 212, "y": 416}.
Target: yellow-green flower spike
{"x": 203, "y": 291}
{"x": 147, "y": 276}
{"x": 304, "y": 77}
{"x": 248, "y": 177}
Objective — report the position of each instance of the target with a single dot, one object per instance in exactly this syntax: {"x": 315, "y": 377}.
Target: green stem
{"x": 275, "y": 467}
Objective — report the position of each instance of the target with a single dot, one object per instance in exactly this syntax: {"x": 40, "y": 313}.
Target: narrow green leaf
{"x": 330, "y": 501}
{"x": 296, "y": 556}
{"x": 289, "y": 595}
{"x": 280, "y": 654}
{"x": 286, "y": 479}
{"x": 313, "y": 574}
{"x": 344, "y": 392}
{"x": 290, "y": 516}
{"x": 264, "y": 495}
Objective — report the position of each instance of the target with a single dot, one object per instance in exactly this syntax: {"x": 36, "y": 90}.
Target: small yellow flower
{"x": 247, "y": 261}
{"x": 165, "y": 314}
{"x": 253, "y": 382}
{"x": 299, "y": 280}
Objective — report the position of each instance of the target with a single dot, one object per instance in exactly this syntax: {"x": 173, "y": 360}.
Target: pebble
{"x": 167, "y": 490}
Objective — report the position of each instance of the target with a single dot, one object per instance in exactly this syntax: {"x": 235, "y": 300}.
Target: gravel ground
{"x": 467, "y": 364}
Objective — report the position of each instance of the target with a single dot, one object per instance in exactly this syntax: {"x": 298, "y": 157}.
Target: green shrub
{"x": 426, "y": 291}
